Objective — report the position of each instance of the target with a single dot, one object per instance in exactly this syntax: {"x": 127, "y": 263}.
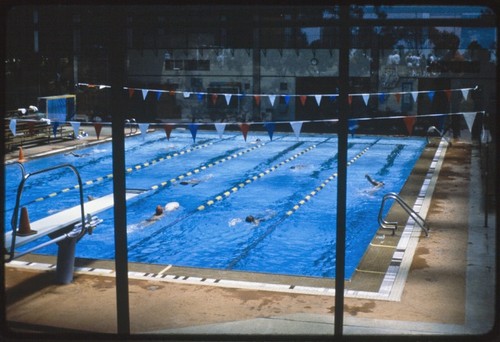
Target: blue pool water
{"x": 288, "y": 181}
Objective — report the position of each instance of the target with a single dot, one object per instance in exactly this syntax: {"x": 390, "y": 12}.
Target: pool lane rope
{"x": 205, "y": 167}
{"x": 241, "y": 185}
{"x": 136, "y": 167}
{"x": 296, "y": 207}
{"x": 225, "y": 194}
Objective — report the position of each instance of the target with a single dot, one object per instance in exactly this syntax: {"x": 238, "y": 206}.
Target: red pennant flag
{"x": 97, "y": 127}
{"x": 168, "y": 130}
{"x": 131, "y": 92}
{"x": 409, "y": 122}
{"x": 257, "y": 99}
{"x": 398, "y": 97}
{"x": 244, "y": 129}
{"x": 172, "y": 92}
{"x": 448, "y": 94}
{"x": 349, "y": 99}
{"x": 303, "y": 99}
{"x": 214, "y": 98}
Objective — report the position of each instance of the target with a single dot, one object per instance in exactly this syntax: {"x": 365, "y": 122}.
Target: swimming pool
{"x": 288, "y": 182}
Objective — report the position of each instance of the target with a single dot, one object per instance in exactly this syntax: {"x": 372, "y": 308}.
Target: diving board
{"x": 65, "y": 218}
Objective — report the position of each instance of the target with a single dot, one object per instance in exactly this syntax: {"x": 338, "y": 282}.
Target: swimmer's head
{"x": 158, "y": 210}
{"x": 250, "y": 219}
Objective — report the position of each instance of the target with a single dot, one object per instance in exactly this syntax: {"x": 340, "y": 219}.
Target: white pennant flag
{"x": 144, "y": 93}
{"x": 144, "y": 129}
{"x": 318, "y": 99}
{"x": 414, "y": 94}
{"x": 366, "y": 97}
{"x": 220, "y": 127}
{"x": 12, "y": 126}
{"x": 465, "y": 93}
{"x": 228, "y": 98}
{"x": 76, "y": 127}
{"x": 296, "y": 126}
{"x": 272, "y": 98}
{"x": 186, "y": 94}
{"x": 469, "y": 119}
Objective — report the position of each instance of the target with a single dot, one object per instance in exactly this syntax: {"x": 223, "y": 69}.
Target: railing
{"x": 394, "y": 225}
{"x": 65, "y": 261}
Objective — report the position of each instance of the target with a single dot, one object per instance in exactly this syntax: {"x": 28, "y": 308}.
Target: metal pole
{"x": 342, "y": 169}
{"x": 117, "y": 77}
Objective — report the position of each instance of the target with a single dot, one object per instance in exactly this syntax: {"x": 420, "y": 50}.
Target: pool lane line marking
{"x": 306, "y": 199}
{"x": 323, "y": 184}
{"x": 251, "y": 179}
{"x": 205, "y": 167}
{"x": 225, "y": 194}
{"x": 127, "y": 170}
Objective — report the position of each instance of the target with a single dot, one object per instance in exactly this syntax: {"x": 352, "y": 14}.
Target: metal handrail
{"x": 78, "y": 234}
{"x": 394, "y": 225}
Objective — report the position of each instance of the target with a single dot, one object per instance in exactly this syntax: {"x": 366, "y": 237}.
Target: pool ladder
{"x": 394, "y": 225}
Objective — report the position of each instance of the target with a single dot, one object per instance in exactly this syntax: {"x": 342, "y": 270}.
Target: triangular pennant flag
{"x": 193, "y": 128}
{"x": 144, "y": 93}
{"x": 220, "y": 127}
{"x": 287, "y": 99}
{"x": 398, "y": 97}
{"x": 353, "y": 125}
{"x": 131, "y": 92}
{"x": 414, "y": 94}
{"x": 214, "y": 98}
{"x": 272, "y": 99}
{"x": 270, "y": 126}
{"x": 257, "y": 99}
{"x": 303, "y": 99}
{"x": 186, "y": 94}
{"x": 143, "y": 127}
{"x": 97, "y": 127}
{"x": 200, "y": 97}
{"x": 469, "y": 119}
{"x": 409, "y": 122}
{"x": 228, "y": 98}
{"x": 171, "y": 92}
{"x": 55, "y": 125}
{"x": 465, "y": 93}
{"x": 168, "y": 129}
{"x": 448, "y": 94}
{"x": 244, "y": 127}
{"x": 318, "y": 99}
{"x": 158, "y": 95}
{"x": 431, "y": 95}
{"x": 296, "y": 126}
{"x": 381, "y": 98}
{"x": 366, "y": 97}
{"x": 349, "y": 99}
{"x": 76, "y": 127}
{"x": 12, "y": 126}
{"x": 333, "y": 97}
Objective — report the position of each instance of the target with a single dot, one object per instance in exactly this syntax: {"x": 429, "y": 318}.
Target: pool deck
{"x": 449, "y": 288}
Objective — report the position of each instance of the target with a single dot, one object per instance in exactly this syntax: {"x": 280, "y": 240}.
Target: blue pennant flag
{"x": 193, "y": 128}
{"x": 270, "y": 126}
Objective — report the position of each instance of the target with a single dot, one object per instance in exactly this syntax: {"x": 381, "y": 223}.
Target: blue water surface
{"x": 288, "y": 183}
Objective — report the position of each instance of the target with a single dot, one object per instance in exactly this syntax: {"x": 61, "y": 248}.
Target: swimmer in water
{"x": 158, "y": 214}
{"x": 77, "y": 155}
{"x": 257, "y": 220}
{"x": 196, "y": 181}
{"x": 373, "y": 182}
